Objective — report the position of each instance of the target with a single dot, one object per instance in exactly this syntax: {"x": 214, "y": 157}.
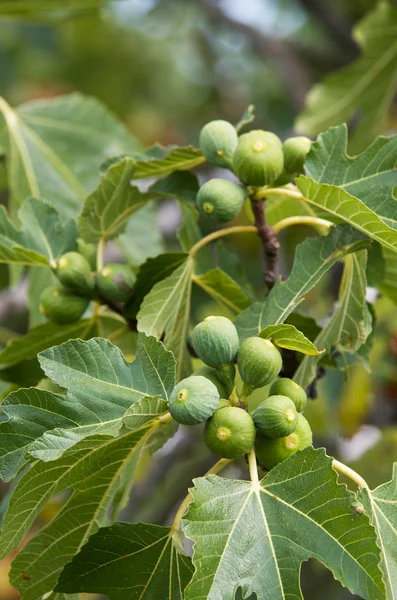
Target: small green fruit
{"x": 218, "y": 141}
{"x": 295, "y": 150}
{"x": 271, "y": 451}
{"x": 115, "y": 282}
{"x": 89, "y": 252}
{"x": 258, "y": 361}
{"x": 227, "y": 375}
{"x": 276, "y": 416}
{"x": 220, "y": 199}
{"x": 215, "y": 341}
{"x": 193, "y": 400}
{"x": 287, "y": 387}
{"x": 62, "y": 306}
{"x": 258, "y": 159}
{"x": 211, "y": 374}
{"x": 74, "y": 272}
{"x": 230, "y": 432}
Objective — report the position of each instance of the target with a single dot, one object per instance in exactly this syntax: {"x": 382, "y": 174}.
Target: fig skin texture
{"x": 276, "y": 416}
{"x": 74, "y": 272}
{"x": 258, "y": 159}
{"x": 215, "y": 341}
{"x": 211, "y": 374}
{"x": 62, "y": 306}
{"x": 218, "y": 141}
{"x": 295, "y": 150}
{"x": 230, "y": 432}
{"x": 220, "y": 199}
{"x": 115, "y": 282}
{"x": 288, "y": 387}
{"x": 193, "y": 400}
{"x": 271, "y": 451}
{"x": 258, "y": 361}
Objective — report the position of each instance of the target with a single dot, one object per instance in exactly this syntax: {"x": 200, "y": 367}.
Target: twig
{"x": 269, "y": 241}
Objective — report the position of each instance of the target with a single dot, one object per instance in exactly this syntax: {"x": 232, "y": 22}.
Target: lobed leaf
{"x": 55, "y": 146}
{"x": 381, "y": 505}
{"x": 93, "y": 469}
{"x": 350, "y": 325}
{"x": 256, "y": 536}
{"x": 43, "y": 236}
{"x": 366, "y": 87}
{"x": 313, "y": 258}
{"x": 159, "y": 160}
{"x": 101, "y": 386}
{"x": 131, "y": 559}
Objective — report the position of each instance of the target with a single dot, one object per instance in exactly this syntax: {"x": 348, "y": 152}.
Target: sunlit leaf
{"x": 365, "y": 88}
{"x": 287, "y": 336}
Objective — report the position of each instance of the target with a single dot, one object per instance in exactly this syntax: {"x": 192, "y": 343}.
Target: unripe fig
{"x": 211, "y": 374}
{"x": 230, "y": 432}
{"x": 193, "y": 400}
{"x": 227, "y": 375}
{"x": 271, "y": 451}
{"x": 215, "y": 341}
{"x": 276, "y": 416}
{"x": 220, "y": 199}
{"x": 218, "y": 141}
{"x": 295, "y": 150}
{"x": 62, "y": 306}
{"x": 89, "y": 252}
{"x": 258, "y": 361}
{"x": 115, "y": 282}
{"x": 258, "y": 159}
{"x": 74, "y": 272}
{"x": 287, "y": 387}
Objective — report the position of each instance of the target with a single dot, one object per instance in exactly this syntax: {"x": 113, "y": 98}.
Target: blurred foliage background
{"x": 166, "y": 67}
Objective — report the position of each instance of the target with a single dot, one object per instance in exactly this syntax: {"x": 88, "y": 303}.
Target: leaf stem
{"x": 341, "y": 468}
{"x": 253, "y": 467}
{"x": 99, "y": 255}
{"x": 221, "y": 464}
{"x": 165, "y": 418}
{"x": 220, "y": 233}
{"x": 321, "y": 224}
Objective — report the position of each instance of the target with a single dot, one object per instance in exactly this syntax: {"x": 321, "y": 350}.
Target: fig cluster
{"x": 79, "y": 283}
{"x": 258, "y": 158}
{"x": 276, "y": 428}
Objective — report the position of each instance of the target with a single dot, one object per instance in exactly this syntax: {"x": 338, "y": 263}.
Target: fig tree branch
{"x": 269, "y": 242}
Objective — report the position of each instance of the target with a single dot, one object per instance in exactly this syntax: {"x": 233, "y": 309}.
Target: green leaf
{"x": 145, "y": 562}
{"x": 55, "y": 146}
{"x": 151, "y": 272}
{"x": 182, "y": 185}
{"x": 350, "y": 325}
{"x": 381, "y": 505}
{"x": 256, "y": 536}
{"x": 389, "y": 283}
{"x": 370, "y": 177}
{"x": 366, "y": 87}
{"x": 101, "y": 386}
{"x": 107, "y": 209}
{"x": 223, "y": 289}
{"x": 166, "y": 310}
{"x": 142, "y": 238}
{"x": 42, "y": 337}
{"x": 43, "y": 236}
{"x": 38, "y": 280}
{"x": 314, "y": 257}
{"x": 93, "y": 469}
{"x": 357, "y": 190}
{"x": 246, "y": 118}
{"x": 160, "y": 160}
{"x": 287, "y": 336}
{"x": 47, "y": 10}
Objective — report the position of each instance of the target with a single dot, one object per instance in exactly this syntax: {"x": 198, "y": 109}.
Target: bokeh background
{"x": 166, "y": 67}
